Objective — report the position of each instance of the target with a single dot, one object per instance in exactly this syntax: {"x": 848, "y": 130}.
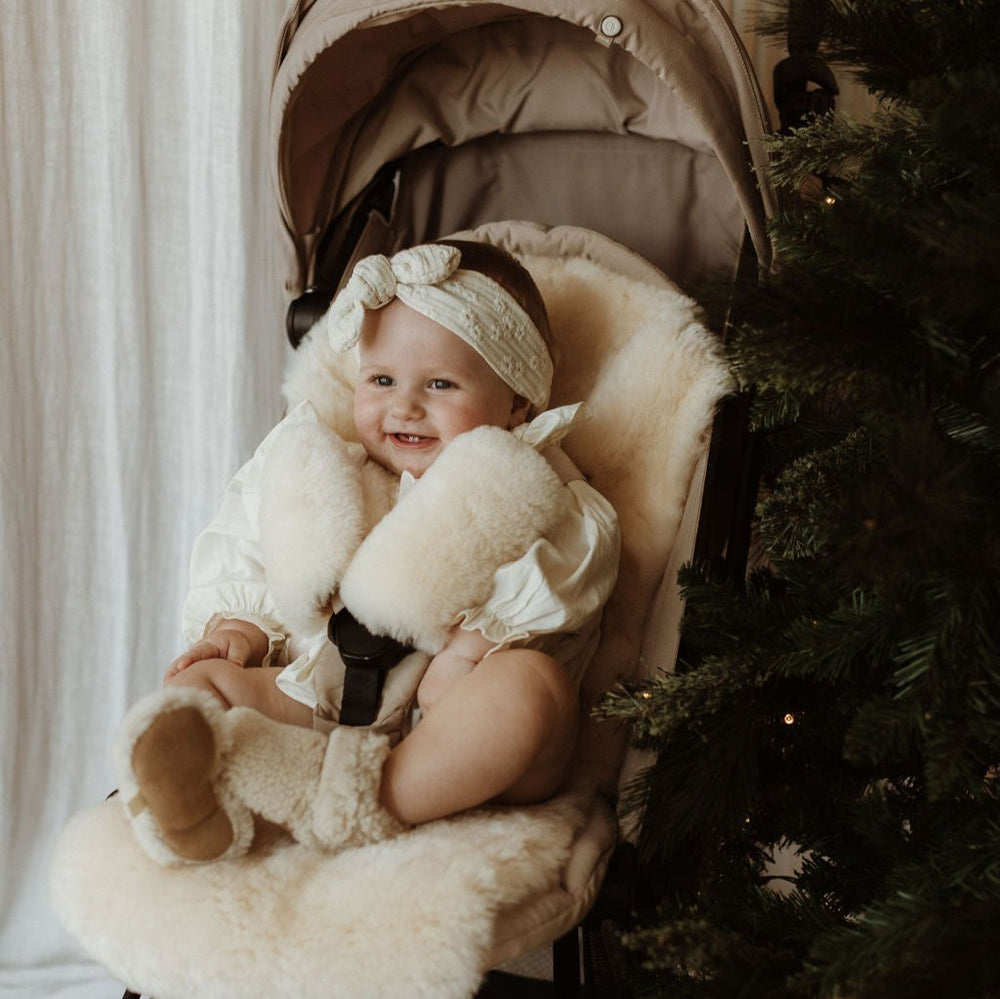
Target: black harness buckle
{"x": 367, "y": 659}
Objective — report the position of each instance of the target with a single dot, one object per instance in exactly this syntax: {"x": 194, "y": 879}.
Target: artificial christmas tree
{"x": 842, "y": 701}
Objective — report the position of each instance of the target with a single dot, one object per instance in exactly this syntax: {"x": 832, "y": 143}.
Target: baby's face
{"x": 419, "y": 387}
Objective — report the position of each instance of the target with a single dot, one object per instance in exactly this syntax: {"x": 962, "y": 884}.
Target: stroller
{"x": 614, "y": 150}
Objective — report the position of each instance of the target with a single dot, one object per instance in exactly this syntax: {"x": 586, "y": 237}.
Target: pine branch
{"x": 847, "y": 698}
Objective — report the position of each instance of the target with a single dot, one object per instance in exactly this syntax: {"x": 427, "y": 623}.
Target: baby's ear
{"x": 518, "y": 411}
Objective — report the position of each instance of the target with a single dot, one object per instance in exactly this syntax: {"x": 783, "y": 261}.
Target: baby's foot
{"x": 174, "y": 761}
{"x": 169, "y": 756}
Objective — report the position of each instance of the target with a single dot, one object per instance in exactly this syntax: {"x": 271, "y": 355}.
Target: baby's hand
{"x": 223, "y": 643}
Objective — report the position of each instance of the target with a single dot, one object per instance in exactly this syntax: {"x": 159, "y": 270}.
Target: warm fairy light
{"x": 829, "y": 200}
{"x": 789, "y": 719}
{"x": 646, "y": 695}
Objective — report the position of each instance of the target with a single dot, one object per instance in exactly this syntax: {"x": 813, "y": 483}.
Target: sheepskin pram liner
{"x": 428, "y": 913}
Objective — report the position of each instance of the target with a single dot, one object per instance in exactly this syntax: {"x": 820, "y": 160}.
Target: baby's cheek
{"x": 469, "y": 417}
{"x": 365, "y": 418}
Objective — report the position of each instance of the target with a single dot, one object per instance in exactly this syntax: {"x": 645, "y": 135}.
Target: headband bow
{"x": 474, "y": 307}
{"x": 376, "y": 278}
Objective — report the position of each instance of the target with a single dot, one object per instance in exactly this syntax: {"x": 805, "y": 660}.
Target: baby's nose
{"x": 407, "y": 403}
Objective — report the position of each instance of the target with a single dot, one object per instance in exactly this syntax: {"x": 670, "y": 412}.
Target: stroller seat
{"x": 428, "y": 913}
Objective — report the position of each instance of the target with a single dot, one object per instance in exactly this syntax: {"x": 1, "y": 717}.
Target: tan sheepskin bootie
{"x": 323, "y": 789}
{"x": 169, "y": 755}
{"x": 193, "y": 775}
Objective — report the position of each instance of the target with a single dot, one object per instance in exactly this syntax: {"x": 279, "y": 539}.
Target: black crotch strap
{"x": 367, "y": 658}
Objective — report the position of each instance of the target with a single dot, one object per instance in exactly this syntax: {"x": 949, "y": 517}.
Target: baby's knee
{"x": 549, "y": 721}
{"x": 540, "y": 684}
{"x": 218, "y": 677}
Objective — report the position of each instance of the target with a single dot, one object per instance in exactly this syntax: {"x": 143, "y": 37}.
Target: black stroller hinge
{"x": 794, "y": 95}
{"x": 304, "y": 312}
{"x": 803, "y": 84}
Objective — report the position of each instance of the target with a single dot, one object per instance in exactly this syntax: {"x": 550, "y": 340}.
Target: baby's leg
{"x": 506, "y": 731}
{"x": 247, "y": 688}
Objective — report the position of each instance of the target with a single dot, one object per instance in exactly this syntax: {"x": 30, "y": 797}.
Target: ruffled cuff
{"x": 276, "y": 654}
{"x": 241, "y": 600}
{"x": 496, "y": 631}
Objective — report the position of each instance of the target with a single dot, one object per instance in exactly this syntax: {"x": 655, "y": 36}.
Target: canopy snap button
{"x": 611, "y": 26}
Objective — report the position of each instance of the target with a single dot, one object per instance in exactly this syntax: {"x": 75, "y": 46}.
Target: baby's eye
{"x": 382, "y": 380}
{"x": 441, "y": 383}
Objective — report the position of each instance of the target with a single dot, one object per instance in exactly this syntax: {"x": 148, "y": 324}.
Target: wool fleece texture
{"x": 408, "y": 918}
{"x": 328, "y": 525}
{"x": 136, "y": 724}
{"x": 482, "y": 504}
{"x": 426, "y": 913}
{"x": 313, "y": 506}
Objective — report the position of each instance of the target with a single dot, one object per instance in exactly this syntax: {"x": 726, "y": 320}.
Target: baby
{"x": 451, "y": 338}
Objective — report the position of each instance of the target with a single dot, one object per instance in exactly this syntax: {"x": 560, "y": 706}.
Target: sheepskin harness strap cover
{"x": 406, "y": 569}
{"x": 367, "y": 658}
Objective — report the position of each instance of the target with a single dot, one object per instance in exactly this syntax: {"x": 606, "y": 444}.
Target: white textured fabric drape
{"x": 141, "y": 331}
{"x": 142, "y": 343}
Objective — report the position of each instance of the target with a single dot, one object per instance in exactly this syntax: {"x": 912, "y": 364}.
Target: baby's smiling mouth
{"x": 412, "y": 440}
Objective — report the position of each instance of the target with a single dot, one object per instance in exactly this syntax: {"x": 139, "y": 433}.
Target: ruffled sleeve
{"x": 227, "y": 573}
{"x": 563, "y": 581}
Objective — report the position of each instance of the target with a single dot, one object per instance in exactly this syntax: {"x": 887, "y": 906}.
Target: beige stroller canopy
{"x": 359, "y": 85}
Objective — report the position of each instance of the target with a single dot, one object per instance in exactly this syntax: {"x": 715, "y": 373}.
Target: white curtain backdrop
{"x": 142, "y": 342}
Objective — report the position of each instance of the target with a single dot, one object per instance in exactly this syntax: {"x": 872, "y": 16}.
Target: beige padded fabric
{"x": 356, "y": 87}
{"x": 516, "y": 77}
{"x": 670, "y": 203}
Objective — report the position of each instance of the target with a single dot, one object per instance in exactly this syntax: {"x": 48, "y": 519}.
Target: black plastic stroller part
{"x": 803, "y": 84}
{"x": 501, "y": 985}
{"x": 304, "y": 312}
{"x": 367, "y": 658}
{"x": 336, "y": 249}
{"x": 794, "y": 95}
{"x": 732, "y": 477}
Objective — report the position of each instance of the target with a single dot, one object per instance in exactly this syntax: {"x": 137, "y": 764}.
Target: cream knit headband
{"x": 474, "y": 307}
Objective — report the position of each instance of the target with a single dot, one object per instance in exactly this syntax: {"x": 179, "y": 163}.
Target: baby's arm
{"x": 240, "y": 642}
{"x": 464, "y": 651}
{"x": 227, "y": 581}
